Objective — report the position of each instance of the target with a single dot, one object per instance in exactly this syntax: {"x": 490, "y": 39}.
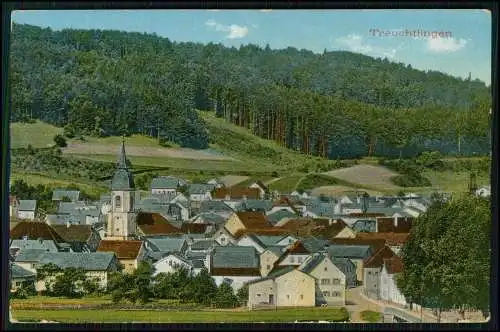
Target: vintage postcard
{"x": 276, "y": 166}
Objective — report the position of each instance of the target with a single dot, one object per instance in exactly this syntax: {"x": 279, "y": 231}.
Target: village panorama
{"x": 163, "y": 181}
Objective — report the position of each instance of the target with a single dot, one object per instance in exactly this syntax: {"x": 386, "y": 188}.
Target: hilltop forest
{"x": 335, "y": 104}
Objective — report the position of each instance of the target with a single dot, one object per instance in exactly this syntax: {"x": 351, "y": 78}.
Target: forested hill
{"x": 110, "y": 82}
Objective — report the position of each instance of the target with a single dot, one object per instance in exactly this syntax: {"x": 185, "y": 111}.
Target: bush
{"x": 414, "y": 180}
{"x": 60, "y": 141}
{"x": 274, "y": 174}
{"x": 430, "y": 160}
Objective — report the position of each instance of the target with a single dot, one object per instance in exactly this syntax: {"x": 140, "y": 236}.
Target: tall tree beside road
{"x": 447, "y": 257}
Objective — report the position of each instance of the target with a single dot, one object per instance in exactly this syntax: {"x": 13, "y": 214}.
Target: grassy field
{"x": 38, "y": 134}
{"x": 287, "y": 183}
{"x": 371, "y": 316}
{"x": 178, "y": 316}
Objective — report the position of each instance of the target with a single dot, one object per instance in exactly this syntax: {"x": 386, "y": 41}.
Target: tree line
{"x": 334, "y": 104}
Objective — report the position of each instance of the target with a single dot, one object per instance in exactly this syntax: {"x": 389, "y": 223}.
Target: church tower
{"x": 121, "y": 220}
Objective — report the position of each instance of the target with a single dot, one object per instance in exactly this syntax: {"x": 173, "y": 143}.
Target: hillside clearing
{"x": 140, "y": 151}
{"x": 366, "y": 175}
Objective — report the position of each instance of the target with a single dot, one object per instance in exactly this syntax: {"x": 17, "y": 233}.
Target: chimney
{"x": 40, "y": 240}
{"x": 25, "y": 237}
{"x": 396, "y": 221}
{"x": 68, "y": 224}
{"x": 358, "y": 199}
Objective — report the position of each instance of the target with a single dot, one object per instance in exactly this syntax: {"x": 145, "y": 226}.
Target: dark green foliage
{"x": 336, "y": 104}
{"x": 242, "y": 295}
{"x": 60, "y": 141}
{"x": 69, "y": 283}
{"x": 411, "y": 180}
{"x": 447, "y": 256}
{"x": 430, "y": 160}
{"x": 134, "y": 286}
{"x": 225, "y": 297}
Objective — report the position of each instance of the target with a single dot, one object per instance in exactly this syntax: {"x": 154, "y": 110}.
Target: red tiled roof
{"x": 147, "y": 218}
{"x": 297, "y": 248}
{"x": 194, "y": 228}
{"x": 253, "y": 219}
{"x": 123, "y": 249}
{"x": 74, "y": 233}
{"x": 160, "y": 229}
{"x": 261, "y": 231}
{"x": 388, "y": 225}
{"x": 236, "y": 192}
{"x": 35, "y": 230}
{"x": 235, "y": 272}
{"x": 393, "y": 265}
{"x": 377, "y": 259}
{"x": 391, "y": 239}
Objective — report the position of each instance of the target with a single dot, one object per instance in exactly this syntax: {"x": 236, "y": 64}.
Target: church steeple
{"x": 122, "y": 179}
{"x": 122, "y": 159}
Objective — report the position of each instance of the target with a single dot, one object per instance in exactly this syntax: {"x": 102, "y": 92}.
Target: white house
{"x": 388, "y": 289}
{"x": 166, "y": 184}
{"x": 26, "y": 209}
{"x": 96, "y": 265}
{"x": 234, "y": 265}
{"x": 172, "y": 263}
{"x": 250, "y": 240}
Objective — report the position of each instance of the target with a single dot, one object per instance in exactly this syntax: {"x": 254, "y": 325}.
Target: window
{"x": 326, "y": 293}
{"x": 336, "y": 294}
{"x": 258, "y": 294}
{"x": 292, "y": 259}
{"x": 268, "y": 267}
{"x": 299, "y": 259}
{"x": 301, "y": 296}
{"x": 369, "y": 273}
{"x": 117, "y": 229}
{"x": 325, "y": 281}
{"x": 118, "y": 202}
{"x": 336, "y": 281}
{"x": 288, "y": 296}
{"x": 326, "y": 269}
{"x": 33, "y": 266}
{"x": 376, "y": 273}
{"x": 131, "y": 202}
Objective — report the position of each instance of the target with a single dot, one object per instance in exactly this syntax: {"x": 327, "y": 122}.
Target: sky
{"x": 453, "y": 41}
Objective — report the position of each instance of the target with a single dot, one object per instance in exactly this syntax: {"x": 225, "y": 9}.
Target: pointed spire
{"x": 122, "y": 160}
